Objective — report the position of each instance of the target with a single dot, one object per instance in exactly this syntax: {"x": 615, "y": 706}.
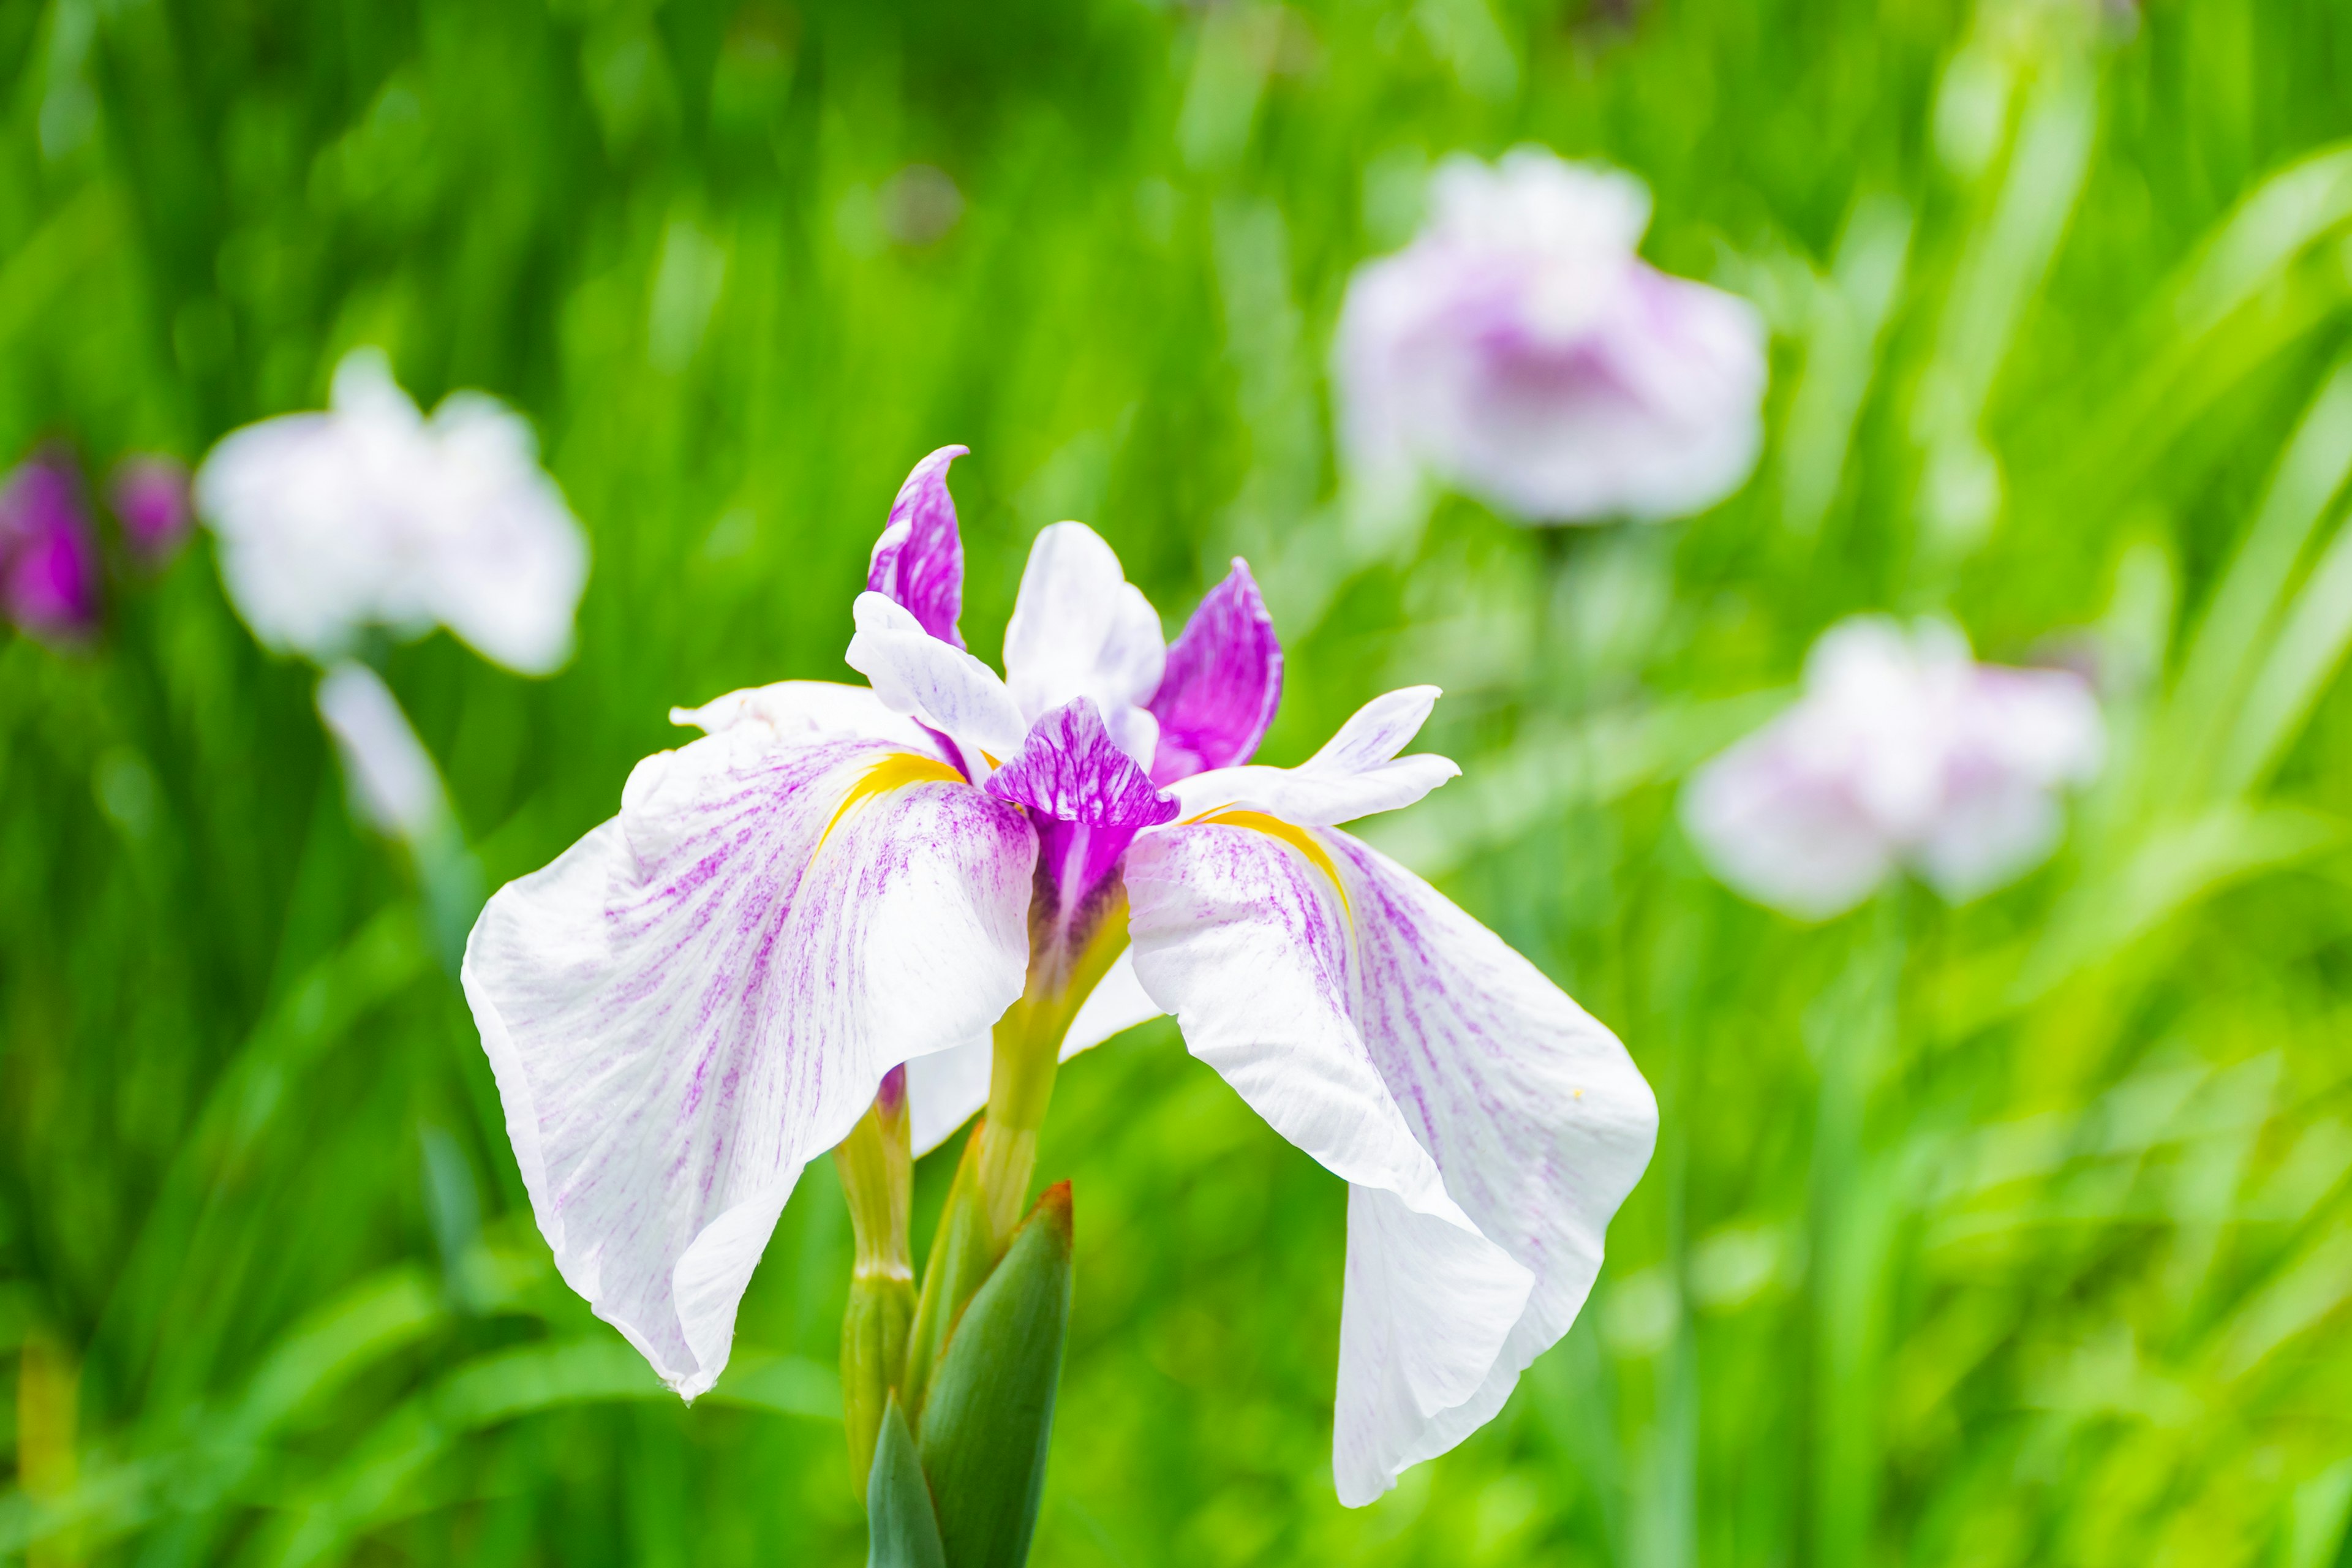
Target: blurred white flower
{"x": 371, "y": 514}
{"x": 1521, "y": 350}
{"x": 1903, "y": 750}
{"x": 395, "y": 786}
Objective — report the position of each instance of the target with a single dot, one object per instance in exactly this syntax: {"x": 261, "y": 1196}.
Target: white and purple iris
{"x": 1521, "y": 350}
{"x": 1903, "y": 750}
{"x": 704, "y": 993}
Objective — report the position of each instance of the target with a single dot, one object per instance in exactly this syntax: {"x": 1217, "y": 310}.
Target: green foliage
{"x": 2014, "y": 1232}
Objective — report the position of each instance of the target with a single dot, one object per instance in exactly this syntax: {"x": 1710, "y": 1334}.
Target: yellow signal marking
{"x": 898, "y": 769}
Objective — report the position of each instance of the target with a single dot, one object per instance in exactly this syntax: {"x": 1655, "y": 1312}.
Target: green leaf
{"x": 904, "y": 1533}
{"x": 991, "y": 1409}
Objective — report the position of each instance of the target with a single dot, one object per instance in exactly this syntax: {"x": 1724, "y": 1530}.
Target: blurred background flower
{"x": 150, "y": 498}
{"x": 1903, "y": 750}
{"x": 1519, "y": 348}
{"x": 48, "y": 556}
{"x": 372, "y": 515}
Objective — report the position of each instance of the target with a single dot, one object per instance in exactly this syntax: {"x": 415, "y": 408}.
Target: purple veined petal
{"x": 49, "y": 558}
{"x": 1222, "y": 683}
{"x": 947, "y": 1088}
{"x": 1080, "y": 629}
{"x": 918, "y": 561}
{"x": 1488, "y": 1128}
{"x": 942, "y": 687}
{"x": 1357, "y": 773}
{"x": 1087, "y": 800}
{"x": 704, "y": 993}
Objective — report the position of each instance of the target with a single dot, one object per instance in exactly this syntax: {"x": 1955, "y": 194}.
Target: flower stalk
{"x": 990, "y": 1189}
{"x": 877, "y": 1167}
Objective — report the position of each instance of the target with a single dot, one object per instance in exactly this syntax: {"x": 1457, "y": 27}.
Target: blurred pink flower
{"x": 1521, "y": 350}
{"x": 49, "y": 559}
{"x": 1903, "y": 750}
{"x": 150, "y": 494}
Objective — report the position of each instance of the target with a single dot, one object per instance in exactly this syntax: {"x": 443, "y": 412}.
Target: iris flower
{"x": 371, "y": 514}
{"x": 1903, "y": 750}
{"x": 707, "y": 991}
{"x": 1521, "y": 349}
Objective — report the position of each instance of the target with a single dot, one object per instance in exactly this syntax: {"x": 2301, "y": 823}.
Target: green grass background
{"x": 2014, "y": 1234}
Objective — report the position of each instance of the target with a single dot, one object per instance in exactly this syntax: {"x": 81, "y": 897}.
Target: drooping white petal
{"x": 1080, "y": 629}
{"x": 916, "y": 674}
{"x": 704, "y": 993}
{"x": 944, "y": 1091}
{"x": 1490, "y": 1126}
{"x": 1357, "y": 773}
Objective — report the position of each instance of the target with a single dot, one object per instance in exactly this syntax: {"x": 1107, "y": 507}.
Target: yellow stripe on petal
{"x": 1290, "y": 833}
{"x": 898, "y": 769}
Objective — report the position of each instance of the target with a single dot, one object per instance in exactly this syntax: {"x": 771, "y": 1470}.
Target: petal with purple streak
{"x": 1487, "y": 1127}
{"x": 919, "y": 560}
{"x": 703, "y": 993}
{"x": 1221, "y": 685}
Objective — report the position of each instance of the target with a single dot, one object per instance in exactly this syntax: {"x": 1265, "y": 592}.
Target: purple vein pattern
{"x": 704, "y": 991}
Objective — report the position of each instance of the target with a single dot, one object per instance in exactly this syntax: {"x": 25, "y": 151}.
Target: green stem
{"x": 990, "y": 1191}
{"x": 877, "y": 1169}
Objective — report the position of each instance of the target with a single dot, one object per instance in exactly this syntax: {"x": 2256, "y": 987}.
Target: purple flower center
{"x": 1087, "y": 801}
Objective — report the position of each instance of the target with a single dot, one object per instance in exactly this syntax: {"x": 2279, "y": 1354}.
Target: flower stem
{"x": 992, "y": 1183}
{"x": 877, "y": 1169}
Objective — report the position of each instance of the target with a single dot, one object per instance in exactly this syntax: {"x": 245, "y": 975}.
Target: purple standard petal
{"x": 1087, "y": 801}
{"x": 1223, "y": 683}
{"x": 48, "y": 561}
{"x": 918, "y": 561}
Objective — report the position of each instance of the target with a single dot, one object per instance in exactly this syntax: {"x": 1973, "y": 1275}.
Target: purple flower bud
{"x": 48, "y": 560}
{"x": 1521, "y": 350}
{"x": 149, "y": 493}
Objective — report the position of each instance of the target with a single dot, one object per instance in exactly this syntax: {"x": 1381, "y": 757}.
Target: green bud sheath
{"x": 985, "y": 1431}
{"x": 902, "y": 1530}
